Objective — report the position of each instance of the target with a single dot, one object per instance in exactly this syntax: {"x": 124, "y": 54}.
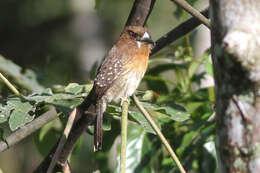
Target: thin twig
{"x": 159, "y": 133}
{"x": 9, "y": 85}
{"x": 186, "y": 6}
{"x": 123, "y": 136}
{"x": 62, "y": 140}
{"x": 178, "y": 32}
{"x": 28, "y": 129}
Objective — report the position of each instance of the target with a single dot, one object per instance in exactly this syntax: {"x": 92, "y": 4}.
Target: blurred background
{"x": 64, "y": 41}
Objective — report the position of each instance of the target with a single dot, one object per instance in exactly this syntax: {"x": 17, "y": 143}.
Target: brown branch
{"x": 75, "y": 133}
{"x": 62, "y": 140}
{"x": 138, "y": 16}
{"x": 140, "y": 12}
{"x": 159, "y": 133}
{"x": 195, "y": 13}
{"x": 178, "y": 32}
{"x": 28, "y": 129}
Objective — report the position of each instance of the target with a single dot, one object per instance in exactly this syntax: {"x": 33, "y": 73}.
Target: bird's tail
{"x": 94, "y": 108}
{"x": 98, "y": 126}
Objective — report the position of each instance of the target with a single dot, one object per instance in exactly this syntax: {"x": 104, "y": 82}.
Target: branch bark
{"x": 178, "y": 32}
{"x": 63, "y": 140}
{"x": 186, "y": 6}
{"x": 28, "y": 129}
{"x": 236, "y": 59}
{"x": 159, "y": 133}
{"x": 138, "y": 16}
{"x": 140, "y": 12}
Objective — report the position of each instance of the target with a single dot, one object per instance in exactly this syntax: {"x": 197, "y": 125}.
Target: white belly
{"x": 124, "y": 86}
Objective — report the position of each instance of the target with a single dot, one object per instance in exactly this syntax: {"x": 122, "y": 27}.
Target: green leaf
{"x": 192, "y": 106}
{"x": 138, "y": 146}
{"x": 64, "y": 102}
{"x": 106, "y": 124}
{"x": 105, "y": 127}
{"x": 97, "y": 4}
{"x": 73, "y": 88}
{"x": 174, "y": 112}
{"x": 186, "y": 141}
{"x": 195, "y": 64}
{"x": 143, "y": 122}
{"x": 47, "y": 136}
{"x": 20, "y": 113}
{"x": 168, "y": 162}
{"x": 78, "y": 145}
{"x": 148, "y": 95}
{"x": 4, "y": 113}
{"x": 209, "y": 67}
{"x": 27, "y": 80}
{"x": 211, "y": 92}
{"x": 3, "y": 137}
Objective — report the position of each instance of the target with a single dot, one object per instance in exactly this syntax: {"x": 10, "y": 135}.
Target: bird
{"x": 118, "y": 76}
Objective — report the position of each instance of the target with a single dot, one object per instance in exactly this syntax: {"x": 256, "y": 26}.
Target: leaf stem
{"x": 9, "y": 85}
{"x": 123, "y": 136}
{"x": 159, "y": 133}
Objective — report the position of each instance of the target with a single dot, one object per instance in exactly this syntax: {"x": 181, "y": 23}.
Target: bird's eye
{"x": 132, "y": 35}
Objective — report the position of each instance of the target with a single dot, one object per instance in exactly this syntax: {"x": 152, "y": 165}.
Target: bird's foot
{"x": 124, "y": 100}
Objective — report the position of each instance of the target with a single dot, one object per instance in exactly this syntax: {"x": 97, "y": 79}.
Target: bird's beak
{"x": 147, "y": 39}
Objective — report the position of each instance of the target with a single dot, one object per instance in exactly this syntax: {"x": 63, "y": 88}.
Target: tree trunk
{"x": 236, "y": 58}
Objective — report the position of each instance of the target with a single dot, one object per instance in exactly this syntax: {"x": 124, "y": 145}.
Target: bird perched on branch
{"x": 119, "y": 75}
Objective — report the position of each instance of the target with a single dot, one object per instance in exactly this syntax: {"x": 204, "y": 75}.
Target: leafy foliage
{"x": 180, "y": 111}
{"x": 14, "y": 72}
{"x": 175, "y": 99}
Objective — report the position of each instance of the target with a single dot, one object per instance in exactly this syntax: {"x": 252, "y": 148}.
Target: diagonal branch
{"x": 9, "y": 85}
{"x": 195, "y": 13}
{"x": 178, "y": 32}
{"x": 159, "y": 133}
{"x": 62, "y": 140}
{"x": 140, "y": 12}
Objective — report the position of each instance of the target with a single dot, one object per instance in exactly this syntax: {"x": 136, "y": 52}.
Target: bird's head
{"x": 138, "y": 35}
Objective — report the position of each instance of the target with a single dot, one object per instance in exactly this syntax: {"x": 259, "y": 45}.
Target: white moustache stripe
{"x": 139, "y": 44}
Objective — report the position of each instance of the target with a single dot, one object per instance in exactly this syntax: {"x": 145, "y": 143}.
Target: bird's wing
{"x": 108, "y": 72}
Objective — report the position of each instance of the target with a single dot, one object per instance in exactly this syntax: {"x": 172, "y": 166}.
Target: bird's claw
{"x": 124, "y": 100}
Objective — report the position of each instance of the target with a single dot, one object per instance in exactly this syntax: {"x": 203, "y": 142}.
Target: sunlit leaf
{"x": 209, "y": 67}
{"x": 148, "y": 95}
{"x": 20, "y": 113}
{"x": 195, "y": 64}
{"x": 73, "y": 88}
